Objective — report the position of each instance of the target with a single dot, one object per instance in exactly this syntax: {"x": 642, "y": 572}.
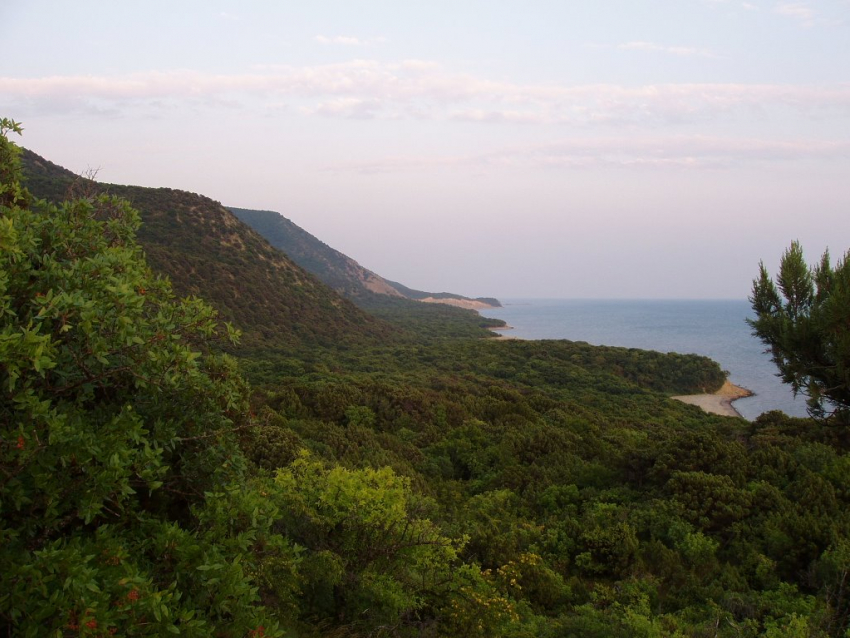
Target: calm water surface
{"x": 716, "y": 329}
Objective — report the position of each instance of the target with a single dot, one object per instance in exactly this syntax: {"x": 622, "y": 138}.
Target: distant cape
{"x": 338, "y": 270}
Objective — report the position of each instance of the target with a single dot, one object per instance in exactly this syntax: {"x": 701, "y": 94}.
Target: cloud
{"x": 718, "y": 3}
{"x": 684, "y": 152}
{"x": 347, "y": 40}
{"x": 672, "y": 50}
{"x": 349, "y": 107}
{"x": 799, "y": 11}
{"x": 422, "y": 89}
{"x": 483, "y": 115}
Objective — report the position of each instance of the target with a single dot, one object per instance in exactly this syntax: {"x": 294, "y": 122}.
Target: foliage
{"x": 12, "y": 192}
{"x": 607, "y": 483}
{"x": 371, "y": 559}
{"x": 206, "y": 251}
{"x": 428, "y": 321}
{"x": 428, "y": 484}
{"x": 113, "y": 425}
{"x": 338, "y": 271}
{"x": 351, "y": 280}
{"x": 806, "y": 329}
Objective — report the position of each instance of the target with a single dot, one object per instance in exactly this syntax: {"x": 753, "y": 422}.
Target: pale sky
{"x": 570, "y": 148}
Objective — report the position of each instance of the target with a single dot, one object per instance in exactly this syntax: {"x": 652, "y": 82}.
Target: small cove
{"x": 714, "y": 328}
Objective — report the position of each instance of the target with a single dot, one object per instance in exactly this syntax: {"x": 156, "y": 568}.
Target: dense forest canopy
{"x": 442, "y": 485}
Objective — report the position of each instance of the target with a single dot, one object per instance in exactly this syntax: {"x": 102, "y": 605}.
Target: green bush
{"x": 113, "y": 427}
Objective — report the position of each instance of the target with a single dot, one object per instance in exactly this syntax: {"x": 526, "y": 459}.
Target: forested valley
{"x": 200, "y": 438}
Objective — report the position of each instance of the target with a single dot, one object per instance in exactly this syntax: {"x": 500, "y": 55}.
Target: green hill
{"x": 397, "y": 487}
{"x": 206, "y": 251}
{"x": 392, "y": 302}
{"x": 337, "y": 270}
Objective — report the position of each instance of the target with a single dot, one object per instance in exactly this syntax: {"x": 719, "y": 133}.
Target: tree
{"x": 370, "y": 559}
{"x": 117, "y": 445}
{"x": 805, "y": 321}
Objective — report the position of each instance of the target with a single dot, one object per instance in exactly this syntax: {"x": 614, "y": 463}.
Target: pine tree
{"x": 804, "y": 319}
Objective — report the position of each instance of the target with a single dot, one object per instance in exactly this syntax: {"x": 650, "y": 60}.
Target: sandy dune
{"x": 469, "y": 304}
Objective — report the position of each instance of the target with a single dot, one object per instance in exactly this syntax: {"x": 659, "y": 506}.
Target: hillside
{"x": 402, "y": 488}
{"x": 337, "y": 270}
{"x": 448, "y": 298}
{"x": 206, "y": 251}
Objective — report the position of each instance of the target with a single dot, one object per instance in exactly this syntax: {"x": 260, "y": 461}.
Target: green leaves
{"x": 380, "y": 562}
{"x": 795, "y": 281}
{"x": 537, "y": 489}
{"x": 114, "y": 421}
{"x": 804, "y": 323}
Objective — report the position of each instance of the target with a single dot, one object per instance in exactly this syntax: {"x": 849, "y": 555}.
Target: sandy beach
{"x": 500, "y": 330}
{"x": 720, "y": 402}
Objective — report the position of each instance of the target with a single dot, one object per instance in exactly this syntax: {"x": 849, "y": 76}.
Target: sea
{"x": 714, "y": 328}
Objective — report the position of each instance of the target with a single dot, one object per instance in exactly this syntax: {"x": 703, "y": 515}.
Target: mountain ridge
{"x": 337, "y": 269}
{"x": 207, "y": 251}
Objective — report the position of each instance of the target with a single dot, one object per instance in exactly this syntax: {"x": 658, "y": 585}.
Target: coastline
{"x": 711, "y": 328}
{"x": 719, "y": 402}
{"x": 469, "y": 304}
{"x": 503, "y": 337}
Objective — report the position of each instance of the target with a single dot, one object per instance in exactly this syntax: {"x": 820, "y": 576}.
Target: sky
{"x": 563, "y": 149}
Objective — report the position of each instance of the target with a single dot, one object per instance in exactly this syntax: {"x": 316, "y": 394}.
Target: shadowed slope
{"x": 337, "y": 270}
{"x": 205, "y": 250}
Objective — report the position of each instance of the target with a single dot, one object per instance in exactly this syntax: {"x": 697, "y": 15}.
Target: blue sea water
{"x": 716, "y": 329}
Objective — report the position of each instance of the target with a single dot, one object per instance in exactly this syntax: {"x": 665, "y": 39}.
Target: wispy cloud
{"x": 417, "y": 89}
{"x": 729, "y": 3}
{"x": 672, "y": 50}
{"x": 347, "y": 40}
{"x": 684, "y": 152}
{"x": 347, "y": 107}
{"x": 799, "y": 11}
